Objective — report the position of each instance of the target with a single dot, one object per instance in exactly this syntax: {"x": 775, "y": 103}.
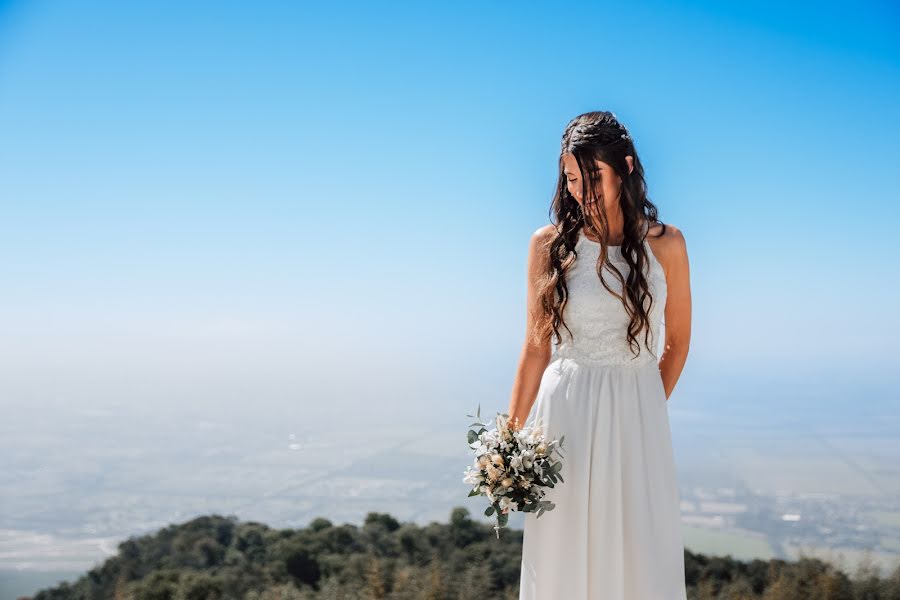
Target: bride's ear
{"x": 630, "y": 160}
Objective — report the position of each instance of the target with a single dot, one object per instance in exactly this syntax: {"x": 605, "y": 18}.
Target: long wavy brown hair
{"x": 591, "y": 137}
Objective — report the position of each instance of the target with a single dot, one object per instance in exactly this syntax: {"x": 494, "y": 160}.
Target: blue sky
{"x": 215, "y": 200}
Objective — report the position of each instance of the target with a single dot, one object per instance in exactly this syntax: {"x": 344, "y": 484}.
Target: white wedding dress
{"x": 615, "y": 533}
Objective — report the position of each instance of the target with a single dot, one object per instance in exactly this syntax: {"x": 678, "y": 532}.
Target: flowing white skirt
{"x": 615, "y": 533}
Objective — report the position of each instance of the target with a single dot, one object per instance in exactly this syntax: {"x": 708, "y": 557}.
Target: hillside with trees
{"x": 221, "y": 558}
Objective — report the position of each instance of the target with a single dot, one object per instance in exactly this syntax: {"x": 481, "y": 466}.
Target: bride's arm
{"x": 535, "y": 356}
{"x": 678, "y": 309}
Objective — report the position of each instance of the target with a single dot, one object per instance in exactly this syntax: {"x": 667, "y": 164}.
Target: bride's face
{"x": 607, "y": 181}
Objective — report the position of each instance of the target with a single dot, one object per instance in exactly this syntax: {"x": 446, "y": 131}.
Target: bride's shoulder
{"x": 545, "y": 232}
{"x": 539, "y": 247}
{"x": 538, "y": 251}
{"x": 668, "y": 244}
{"x": 543, "y": 236}
{"x": 666, "y": 233}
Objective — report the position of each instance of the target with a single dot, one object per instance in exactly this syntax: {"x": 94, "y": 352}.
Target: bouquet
{"x": 512, "y": 467}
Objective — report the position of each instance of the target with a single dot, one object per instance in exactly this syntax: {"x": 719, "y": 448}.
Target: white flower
{"x": 473, "y": 477}
{"x": 515, "y": 462}
{"x": 528, "y": 460}
{"x": 506, "y": 502}
{"x": 489, "y": 437}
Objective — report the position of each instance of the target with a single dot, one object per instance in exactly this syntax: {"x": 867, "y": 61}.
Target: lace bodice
{"x": 598, "y": 319}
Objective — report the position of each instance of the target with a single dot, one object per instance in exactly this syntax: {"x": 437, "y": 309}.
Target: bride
{"x": 603, "y": 281}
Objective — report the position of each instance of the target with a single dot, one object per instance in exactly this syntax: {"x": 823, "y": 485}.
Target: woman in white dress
{"x": 615, "y": 531}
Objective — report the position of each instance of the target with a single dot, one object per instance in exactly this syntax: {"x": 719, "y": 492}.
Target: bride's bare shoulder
{"x": 542, "y": 236}
{"x": 665, "y": 232}
{"x": 668, "y": 244}
{"x": 539, "y": 248}
{"x": 546, "y": 232}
